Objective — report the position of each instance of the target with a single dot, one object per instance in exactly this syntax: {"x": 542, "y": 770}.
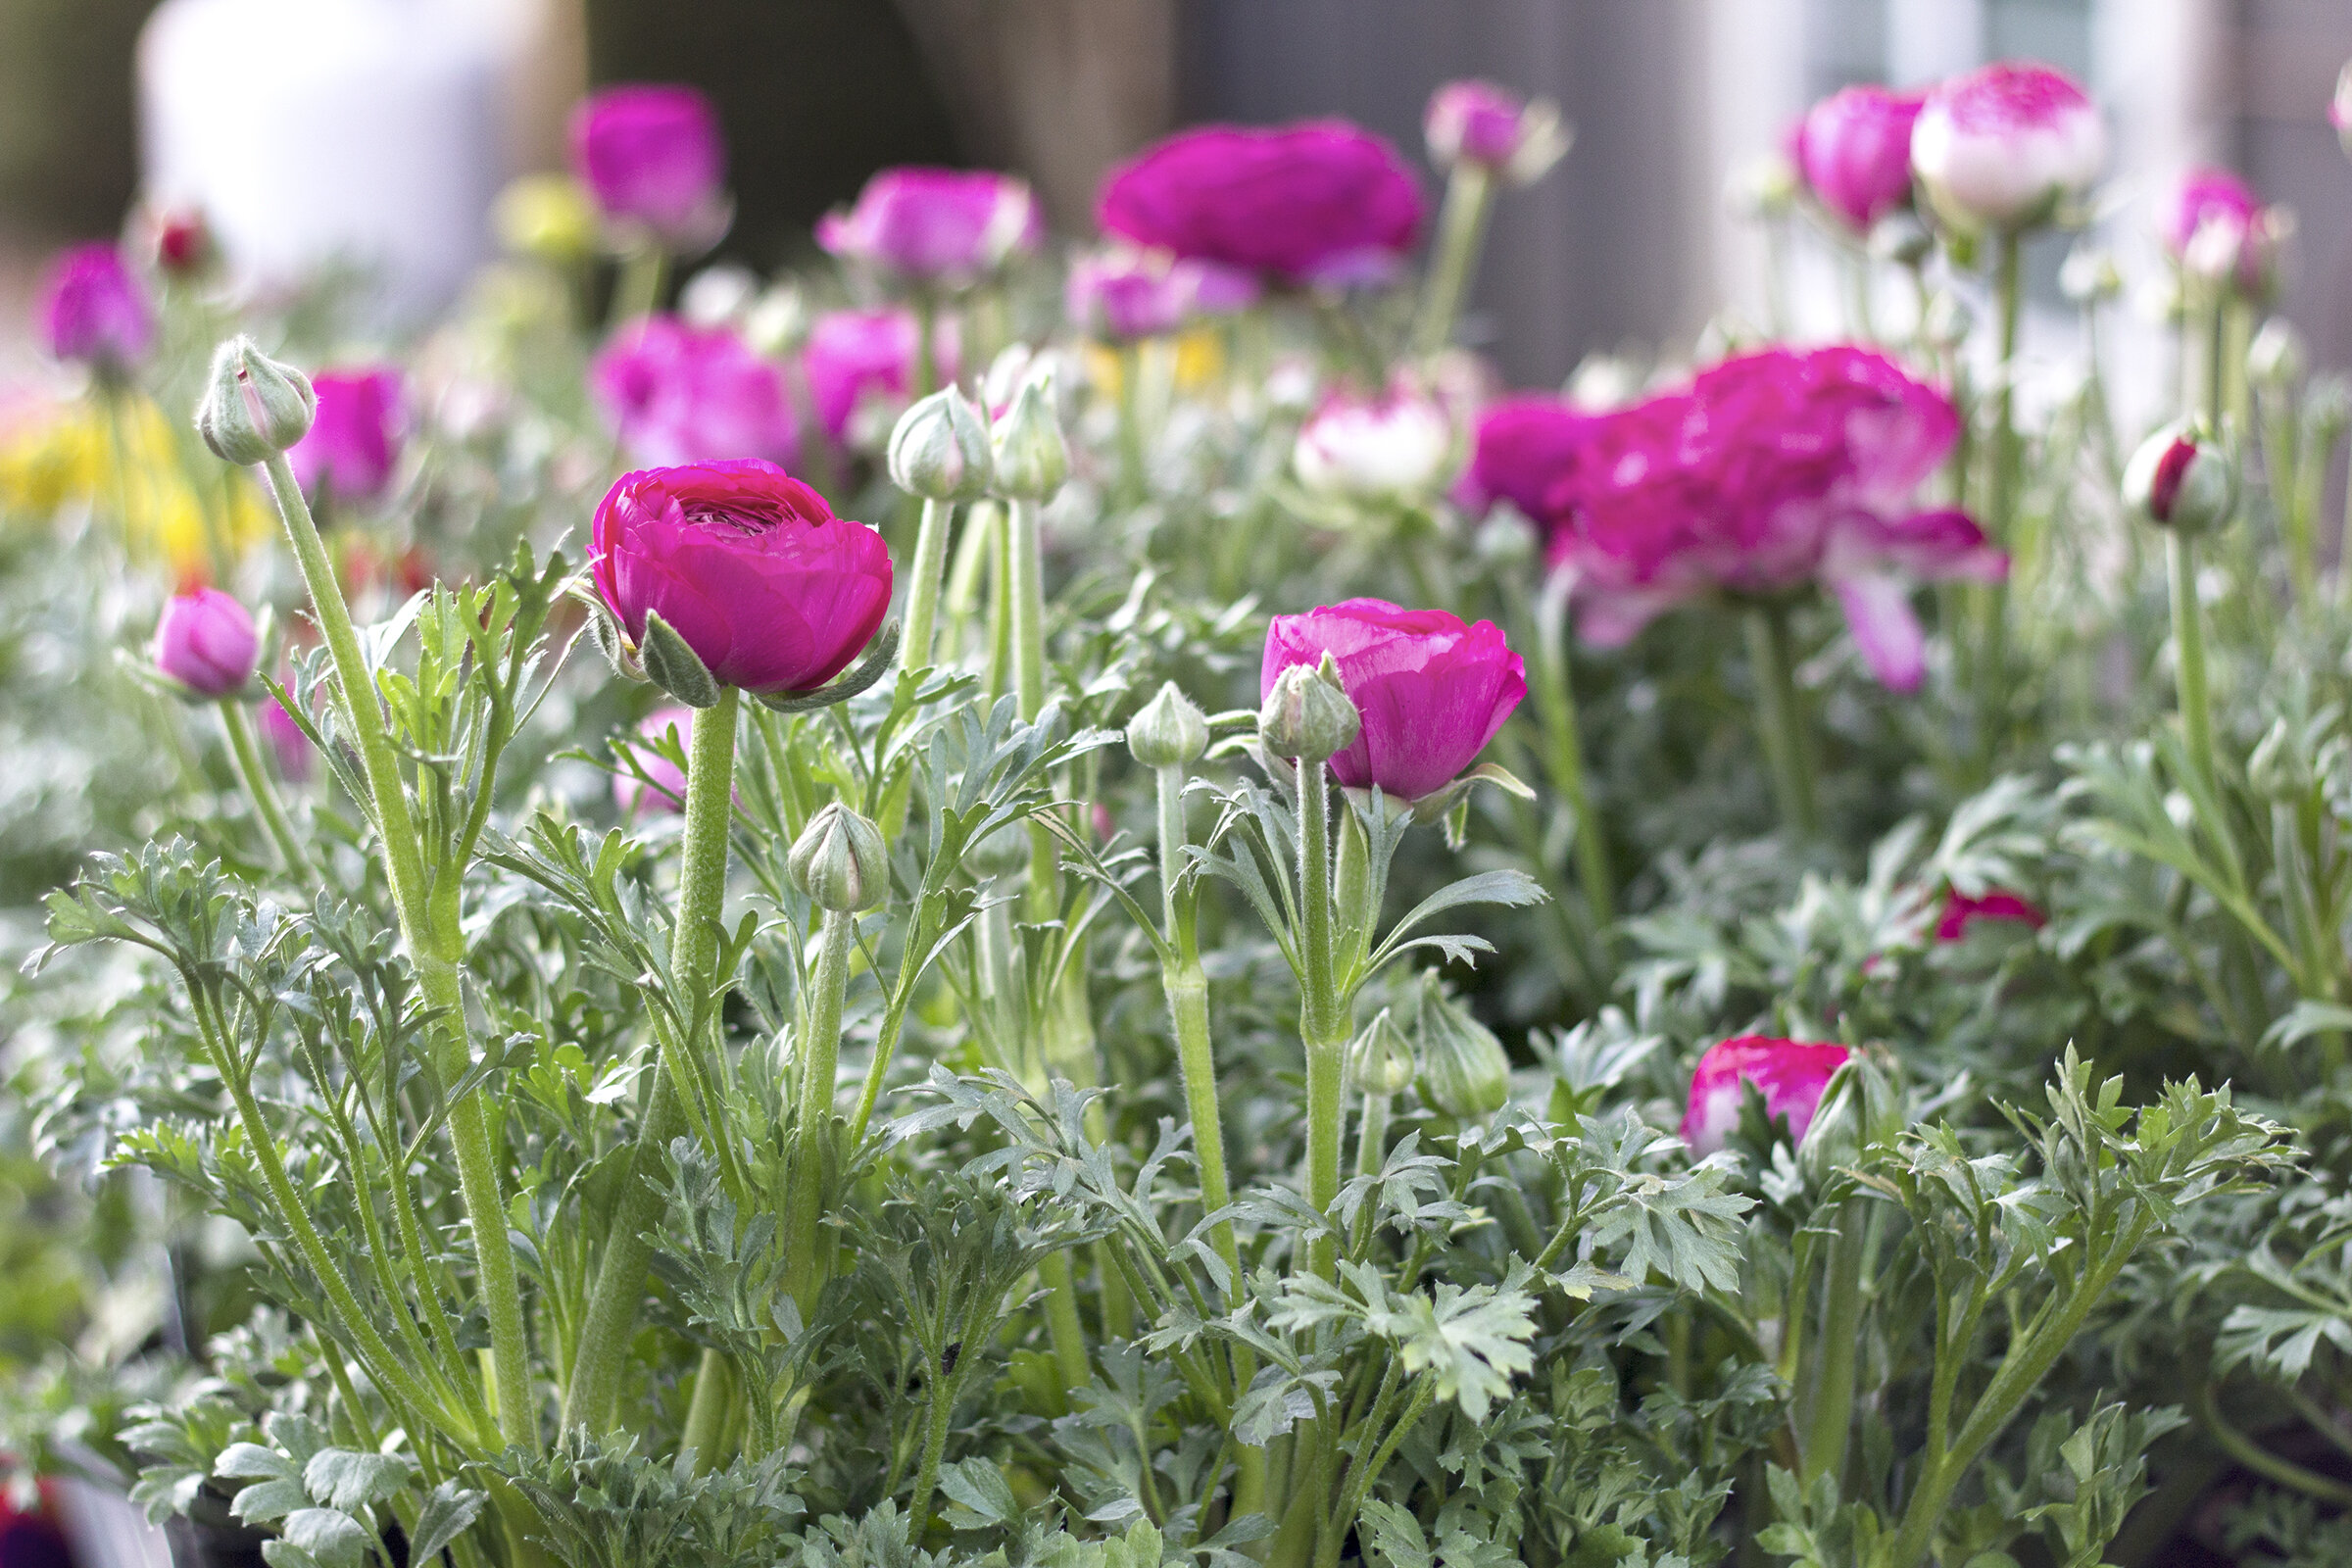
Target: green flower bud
{"x": 1307, "y": 716}
{"x": 254, "y": 406}
{"x": 940, "y": 449}
{"x": 2182, "y": 477}
{"x": 841, "y": 861}
{"x": 1379, "y": 1060}
{"x": 1464, "y": 1070}
{"x": 1169, "y": 731}
{"x": 1859, "y": 1109}
{"x": 1032, "y": 459}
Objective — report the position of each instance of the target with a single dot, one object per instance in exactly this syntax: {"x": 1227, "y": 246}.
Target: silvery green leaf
{"x": 674, "y": 667}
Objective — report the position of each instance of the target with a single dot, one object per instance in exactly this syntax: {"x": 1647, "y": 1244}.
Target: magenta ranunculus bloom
{"x": 286, "y": 739}
{"x": 747, "y": 564}
{"x": 1790, "y": 1074}
{"x": 2212, "y": 223}
{"x": 1123, "y": 294}
{"x": 1766, "y": 473}
{"x": 1431, "y": 691}
{"x": 205, "y": 641}
{"x": 1473, "y": 120}
{"x": 652, "y": 155}
{"x": 2002, "y": 145}
{"x": 1524, "y": 444}
{"x": 94, "y": 311}
{"x": 866, "y": 359}
{"x": 1319, "y": 202}
{"x": 354, "y": 439}
{"x": 663, "y": 787}
{"x": 1960, "y": 912}
{"x": 936, "y": 227}
{"x": 1853, "y": 149}
{"x": 674, "y": 394}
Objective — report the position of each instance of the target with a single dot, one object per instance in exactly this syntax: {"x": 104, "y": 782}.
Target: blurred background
{"x": 1629, "y": 241}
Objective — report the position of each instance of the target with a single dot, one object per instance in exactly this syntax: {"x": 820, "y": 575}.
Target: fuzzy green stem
{"x": 934, "y": 1448}
{"x": 1064, "y": 1331}
{"x": 926, "y": 346}
{"x": 1564, "y": 752}
{"x": 1186, "y": 989}
{"x": 1320, "y": 1025}
{"x": 610, "y": 1319}
{"x": 813, "y": 1126}
{"x": 1787, "y": 742}
{"x": 2001, "y": 495}
{"x": 2188, "y": 653}
{"x": 706, "y": 1411}
{"x": 1830, "y": 1414}
{"x": 1132, "y": 483}
{"x": 922, "y": 595}
{"x": 637, "y": 292}
{"x": 263, "y": 794}
{"x": 1461, "y": 235}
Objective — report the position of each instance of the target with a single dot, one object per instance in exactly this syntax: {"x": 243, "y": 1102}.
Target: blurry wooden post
{"x": 1057, "y": 89}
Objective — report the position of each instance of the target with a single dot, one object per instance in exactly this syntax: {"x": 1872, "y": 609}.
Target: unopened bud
{"x": 1308, "y": 714}
{"x": 254, "y": 407}
{"x": 1032, "y": 459}
{"x": 841, "y": 861}
{"x": 1859, "y": 1109}
{"x": 2182, "y": 477}
{"x": 777, "y": 323}
{"x": 939, "y": 448}
{"x": 2277, "y": 357}
{"x": 1379, "y": 1060}
{"x": 1169, "y": 731}
{"x": 1464, "y": 1070}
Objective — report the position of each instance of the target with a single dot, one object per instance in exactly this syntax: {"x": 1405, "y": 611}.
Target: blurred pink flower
{"x": 286, "y": 739}
{"x": 1123, "y": 293}
{"x": 1960, "y": 912}
{"x": 354, "y": 439}
{"x": 2212, "y": 223}
{"x": 1790, "y": 1074}
{"x": 861, "y": 358}
{"x": 1524, "y": 444}
{"x": 663, "y": 786}
{"x": 936, "y": 227}
{"x": 1473, "y": 120}
{"x": 1394, "y": 447}
{"x": 94, "y": 311}
{"x": 678, "y": 394}
{"x": 2000, "y": 146}
{"x": 205, "y": 641}
{"x": 653, "y": 157}
{"x": 1853, "y": 149}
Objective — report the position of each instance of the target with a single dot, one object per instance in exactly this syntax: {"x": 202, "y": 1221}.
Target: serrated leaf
{"x": 447, "y": 1514}
{"x": 352, "y": 1479}
{"x": 327, "y": 1536}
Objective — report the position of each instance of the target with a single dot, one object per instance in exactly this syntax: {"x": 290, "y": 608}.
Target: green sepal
{"x": 867, "y": 670}
{"x": 675, "y": 667}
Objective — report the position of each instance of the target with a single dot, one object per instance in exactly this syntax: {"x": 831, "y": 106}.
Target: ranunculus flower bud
{"x": 2003, "y": 145}
{"x": 2182, "y": 477}
{"x": 1960, "y": 912}
{"x": 663, "y": 787}
{"x": 861, "y": 370}
{"x": 1431, "y": 691}
{"x": 1478, "y": 122}
{"x": 1032, "y": 457}
{"x": 1391, "y": 448}
{"x": 1168, "y": 731}
{"x": 1123, "y": 293}
{"x": 1853, "y": 149}
{"x": 182, "y": 241}
{"x": 1319, "y": 202}
{"x": 1380, "y": 1060}
{"x": 653, "y": 158}
{"x": 354, "y": 439}
{"x": 940, "y": 228}
{"x": 940, "y": 450}
{"x": 205, "y": 641}
{"x": 678, "y": 394}
{"x": 1464, "y": 1070}
{"x": 94, "y": 312}
{"x": 1307, "y": 715}
{"x": 1790, "y": 1074}
{"x": 747, "y": 567}
{"x": 2218, "y": 230}
{"x": 252, "y": 405}
{"x": 841, "y": 861}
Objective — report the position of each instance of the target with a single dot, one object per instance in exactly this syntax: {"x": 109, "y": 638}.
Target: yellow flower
{"x": 171, "y": 498}
{"x": 544, "y": 215}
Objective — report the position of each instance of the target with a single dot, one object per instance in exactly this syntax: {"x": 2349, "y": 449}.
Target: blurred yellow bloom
{"x": 544, "y": 215}
{"x": 55, "y": 455}
{"x": 1199, "y": 361}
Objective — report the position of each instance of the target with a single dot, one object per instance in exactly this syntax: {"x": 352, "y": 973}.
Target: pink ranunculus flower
{"x": 747, "y": 564}
{"x": 286, "y": 739}
{"x": 1524, "y": 444}
{"x": 1960, "y": 912}
{"x": 354, "y": 439}
{"x": 653, "y": 158}
{"x": 2001, "y": 146}
{"x": 205, "y": 641}
{"x": 1431, "y": 691}
{"x": 663, "y": 787}
{"x": 1123, "y": 294}
{"x": 942, "y": 228}
{"x": 676, "y": 394}
{"x": 1322, "y": 201}
{"x": 866, "y": 359}
{"x": 1853, "y": 149}
{"x": 1790, "y": 1074}
{"x": 1478, "y": 122}
{"x": 1394, "y": 447}
{"x": 1767, "y": 472}
{"x": 94, "y": 311}
{"x": 2213, "y": 224}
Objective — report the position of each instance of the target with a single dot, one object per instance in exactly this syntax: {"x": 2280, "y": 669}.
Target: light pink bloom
{"x": 1478, "y": 122}
{"x": 1389, "y": 448}
{"x": 2002, "y": 145}
{"x": 936, "y": 227}
{"x": 2213, "y": 224}
{"x": 1790, "y": 1074}
{"x": 1853, "y": 149}
{"x": 1122, "y": 293}
{"x": 679, "y": 394}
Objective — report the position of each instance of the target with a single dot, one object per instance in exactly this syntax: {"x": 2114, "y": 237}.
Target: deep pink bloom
{"x": 1768, "y": 471}
{"x": 663, "y": 786}
{"x": 93, "y": 312}
{"x": 354, "y": 439}
{"x": 941, "y": 228}
{"x": 1319, "y": 202}
{"x": 652, "y": 155}
{"x": 1124, "y": 293}
{"x": 2212, "y": 222}
{"x": 1854, "y": 151}
{"x": 676, "y": 393}
{"x": 205, "y": 641}
{"x": 2000, "y": 146}
{"x": 747, "y": 564}
{"x": 1524, "y": 444}
{"x": 1960, "y": 912}
{"x": 287, "y": 738}
{"x": 860, "y": 357}
{"x": 1475, "y": 122}
{"x": 1790, "y": 1074}
{"x": 1431, "y": 690}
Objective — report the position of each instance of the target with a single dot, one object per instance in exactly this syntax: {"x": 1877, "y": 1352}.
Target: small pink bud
{"x": 205, "y": 641}
{"x": 1960, "y": 912}
{"x": 1478, "y": 123}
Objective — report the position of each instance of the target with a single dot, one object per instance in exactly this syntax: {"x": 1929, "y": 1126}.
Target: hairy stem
{"x": 1787, "y": 741}
{"x": 922, "y": 595}
{"x": 813, "y": 1125}
{"x": 1321, "y": 1027}
{"x": 263, "y": 794}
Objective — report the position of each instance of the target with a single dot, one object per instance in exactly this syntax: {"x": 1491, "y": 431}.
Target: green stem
{"x": 638, "y": 290}
{"x": 610, "y": 1319}
{"x": 1026, "y": 588}
{"x": 435, "y": 948}
{"x": 1186, "y": 989}
{"x": 1327, "y": 1553}
{"x": 1131, "y": 482}
{"x": 2001, "y": 495}
{"x": 2188, "y": 652}
{"x": 1787, "y": 741}
{"x": 1564, "y": 753}
{"x": 1461, "y": 235}
{"x": 706, "y": 1411}
{"x": 1320, "y": 1026}
{"x": 922, "y": 596}
{"x": 813, "y": 1125}
{"x": 1064, "y": 1331}
{"x": 934, "y": 1448}
{"x": 1830, "y": 1389}
{"x": 926, "y": 347}
{"x": 262, "y": 793}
